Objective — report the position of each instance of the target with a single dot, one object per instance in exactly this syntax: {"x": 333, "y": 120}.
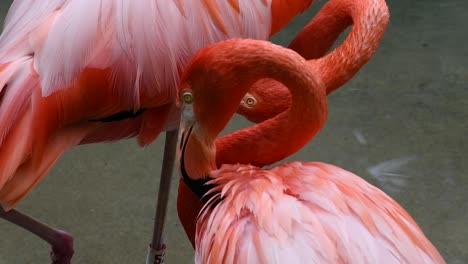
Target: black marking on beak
{"x": 200, "y": 186}
{"x": 183, "y": 142}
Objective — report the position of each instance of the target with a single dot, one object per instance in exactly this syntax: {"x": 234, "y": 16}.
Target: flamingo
{"x": 65, "y": 80}
{"x": 296, "y": 212}
{"x": 313, "y": 41}
{"x": 267, "y": 97}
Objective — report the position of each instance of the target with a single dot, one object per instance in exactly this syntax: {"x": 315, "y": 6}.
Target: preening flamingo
{"x": 66, "y": 80}
{"x": 267, "y": 98}
{"x": 297, "y": 212}
{"x": 368, "y": 18}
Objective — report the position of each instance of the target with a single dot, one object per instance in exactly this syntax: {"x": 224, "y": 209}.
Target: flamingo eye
{"x": 250, "y": 101}
{"x": 187, "y": 97}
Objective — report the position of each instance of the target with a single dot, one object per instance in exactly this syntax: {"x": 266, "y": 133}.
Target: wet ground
{"x": 401, "y": 123}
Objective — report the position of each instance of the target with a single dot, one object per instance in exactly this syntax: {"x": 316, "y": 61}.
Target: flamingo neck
{"x": 275, "y": 139}
{"x": 219, "y": 77}
{"x": 318, "y": 36}
{"x": 283, "y": 11}
{"x": 369, "y": 19}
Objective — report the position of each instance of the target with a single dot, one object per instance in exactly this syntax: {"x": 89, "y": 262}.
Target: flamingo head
{"x": 266, "y": 99}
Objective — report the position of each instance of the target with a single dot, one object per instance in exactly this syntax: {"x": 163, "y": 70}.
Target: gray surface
{"x": 409, "y": 103}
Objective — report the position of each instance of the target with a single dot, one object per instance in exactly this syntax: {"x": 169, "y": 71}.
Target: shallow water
{"x": 400, "y": 124}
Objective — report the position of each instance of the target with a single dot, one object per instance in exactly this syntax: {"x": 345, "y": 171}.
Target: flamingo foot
{"x": 61, "y": 241}
{"x": 62, "y": 250}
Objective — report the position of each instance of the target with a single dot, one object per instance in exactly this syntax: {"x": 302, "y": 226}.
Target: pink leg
{"x": 61, "y": 242}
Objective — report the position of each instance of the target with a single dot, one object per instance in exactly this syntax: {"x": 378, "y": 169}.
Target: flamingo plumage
{"x": 268, "y": 98}
{"x": 75, "y": 72}
{"x": 297, "y": 212}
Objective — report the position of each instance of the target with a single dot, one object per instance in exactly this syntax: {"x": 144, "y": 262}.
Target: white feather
{"x": 144, "y": 42}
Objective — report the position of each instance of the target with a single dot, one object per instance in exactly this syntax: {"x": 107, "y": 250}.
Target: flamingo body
{"x": 65, "y": 64}
{"x": 268, "y": 98}
{"x": 302, "y": 212}
{"x": 299, "y": 212}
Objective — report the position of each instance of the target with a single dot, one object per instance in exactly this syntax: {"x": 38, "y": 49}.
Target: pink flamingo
{"x": 296, "y": 212}
{"x": 267, "y": 98}
{"x": 65, "y": 80}
{"x": 368, "y": 19}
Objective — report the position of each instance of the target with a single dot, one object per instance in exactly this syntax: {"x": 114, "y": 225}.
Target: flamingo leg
{"x": 157, "y": 247}
{"x": 61, "y": 241}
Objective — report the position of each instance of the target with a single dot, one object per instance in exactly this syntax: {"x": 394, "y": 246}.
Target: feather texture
{"x": 63, "y": 62}
{"x": 305, "y": 212}
{"x": 134, "y": 38}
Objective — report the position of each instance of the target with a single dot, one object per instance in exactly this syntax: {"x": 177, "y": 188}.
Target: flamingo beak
{"x": 196, "y": 156}
{"x": 185, "y": 130}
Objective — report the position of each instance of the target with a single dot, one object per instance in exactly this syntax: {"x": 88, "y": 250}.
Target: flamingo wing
{"x": 133, "y": 38}
{"x": 66, "y": 62}
{"x": 306, "y": 211}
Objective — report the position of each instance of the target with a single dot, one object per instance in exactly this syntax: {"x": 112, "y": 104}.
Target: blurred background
{"x": 401, "y": 123}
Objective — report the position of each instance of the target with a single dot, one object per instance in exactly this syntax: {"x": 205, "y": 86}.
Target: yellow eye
{"x": 187, "y": 97}
{"x": 250, "y": 101}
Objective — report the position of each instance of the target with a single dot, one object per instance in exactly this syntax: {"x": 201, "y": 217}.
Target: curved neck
{"x": 318, "y": 36}
{"x": 369, "y": 19}
{"x": 283, "y": 135}
{"x": 283, "y": 11}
